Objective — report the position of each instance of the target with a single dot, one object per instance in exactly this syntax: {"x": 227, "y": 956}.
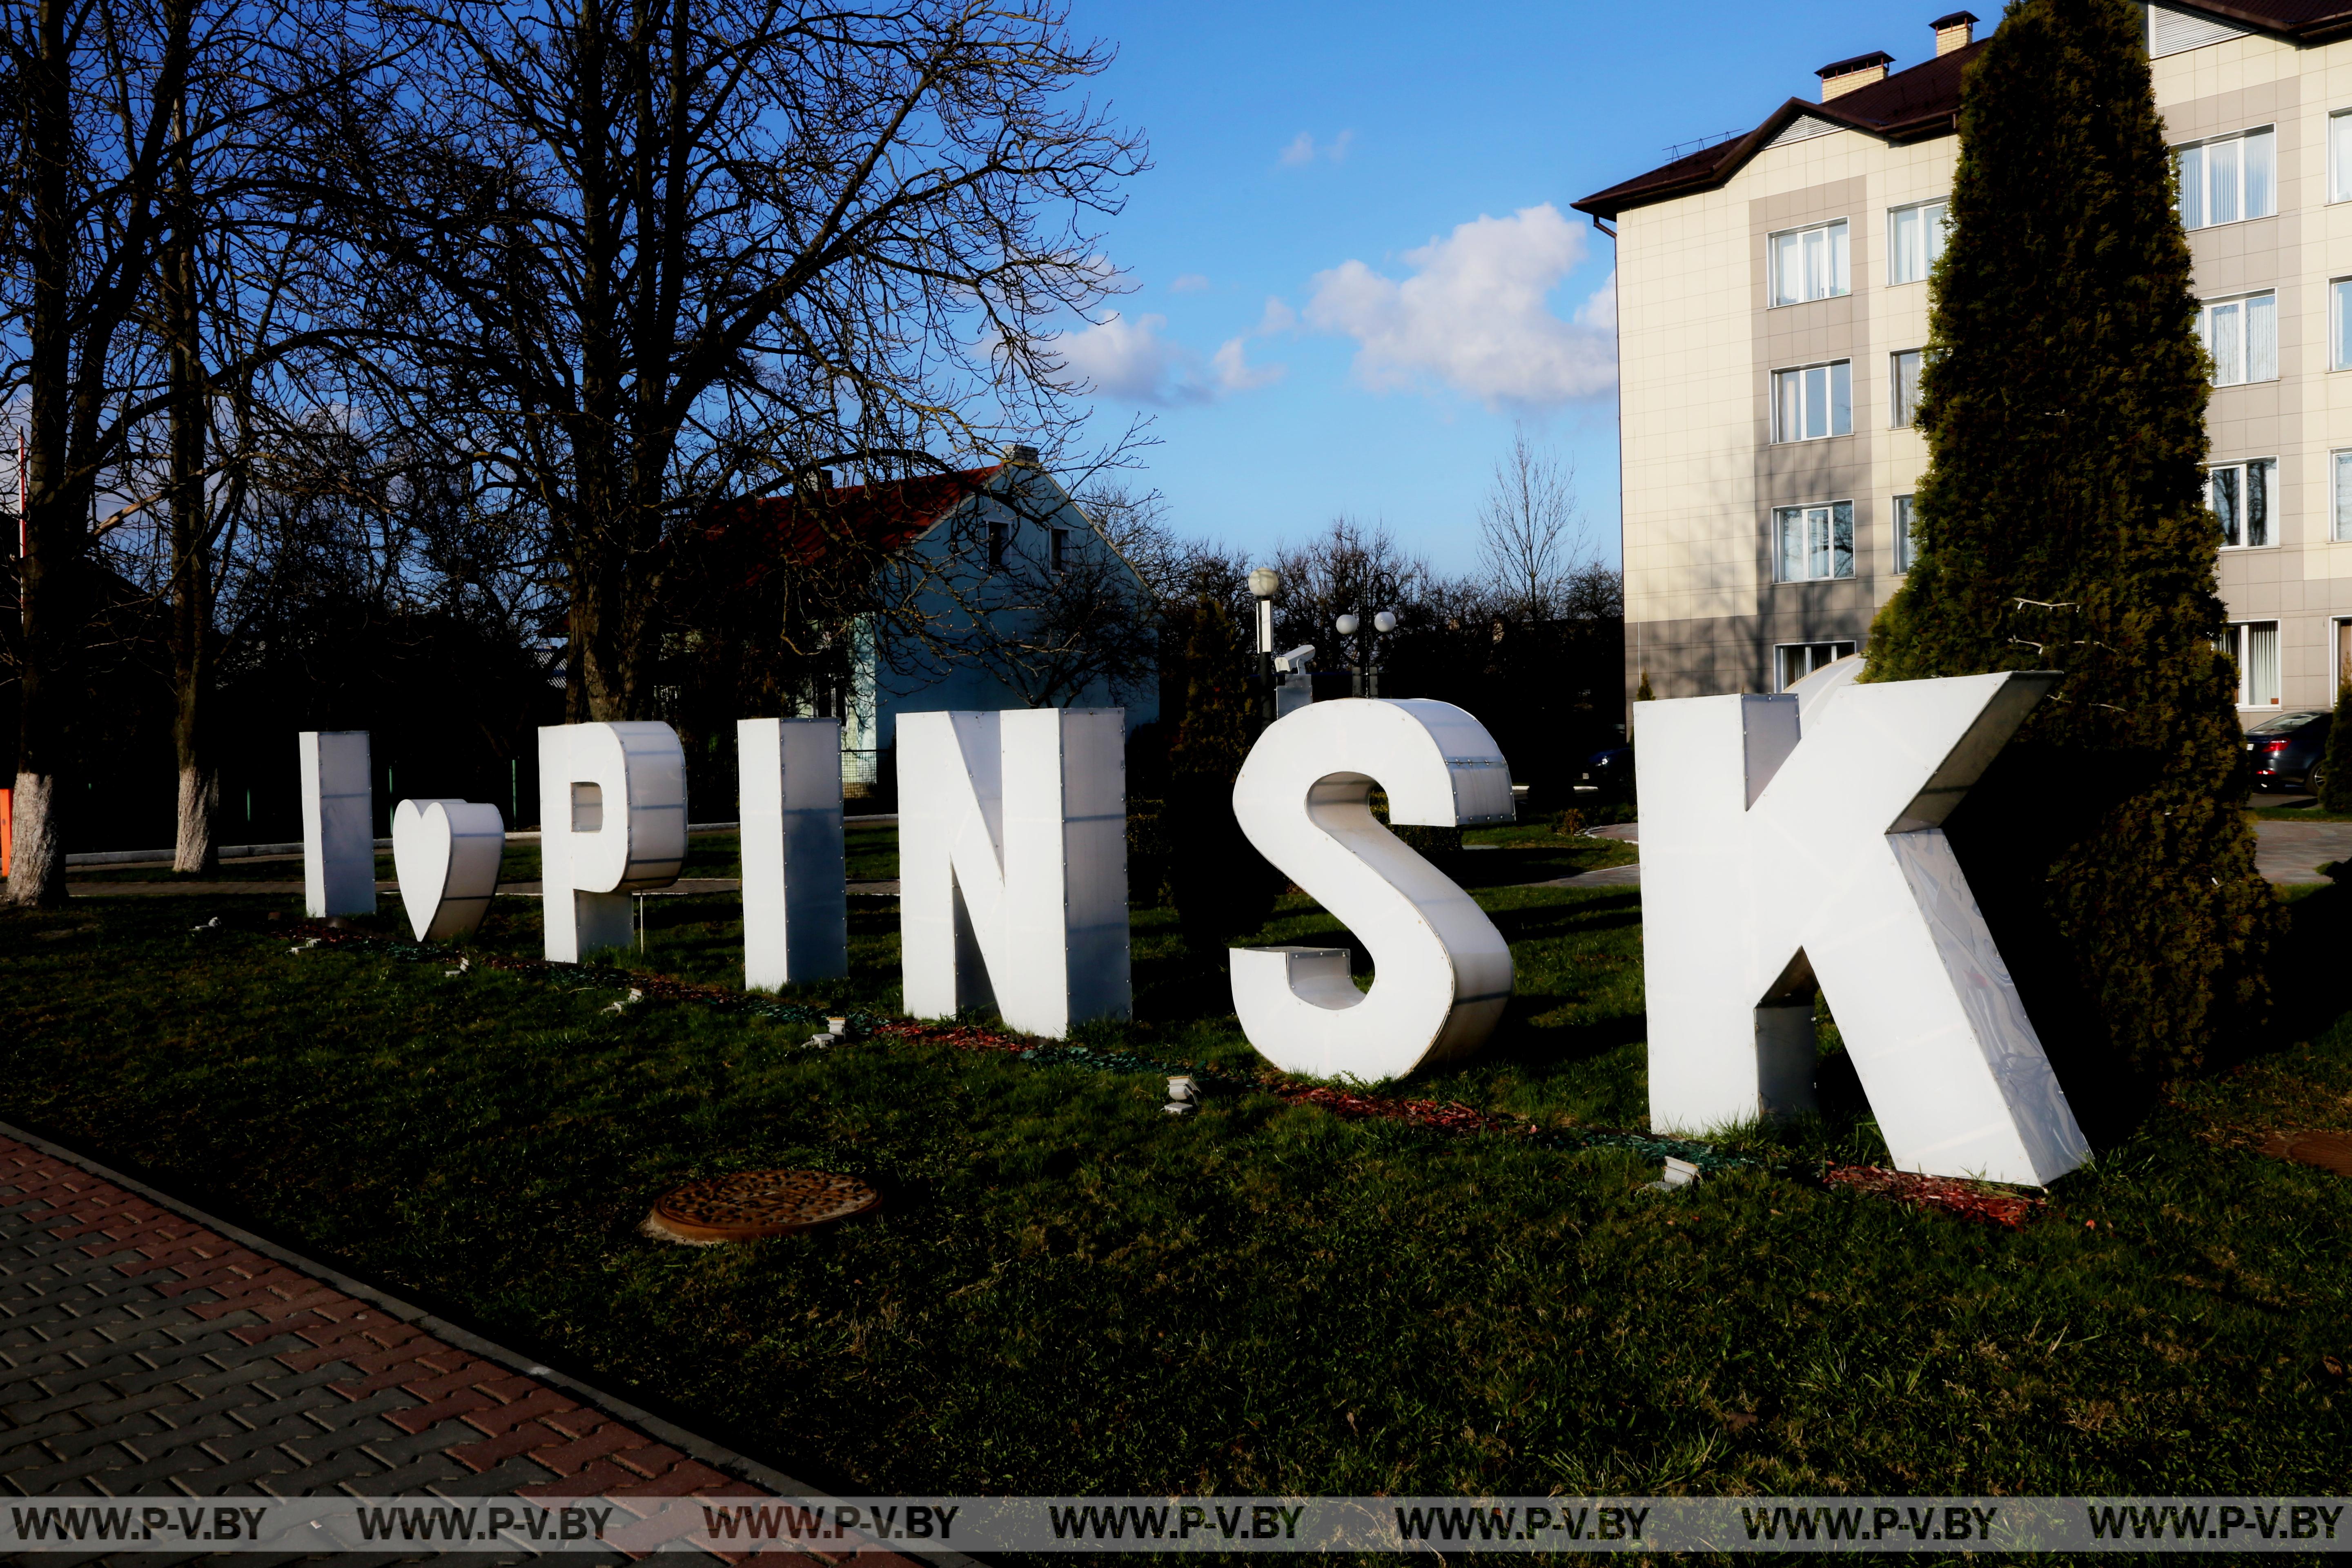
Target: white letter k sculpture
{"x": 1797, "y": 840}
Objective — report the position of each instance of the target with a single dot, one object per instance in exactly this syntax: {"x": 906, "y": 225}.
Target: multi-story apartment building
{"x": 1772, "y": 299}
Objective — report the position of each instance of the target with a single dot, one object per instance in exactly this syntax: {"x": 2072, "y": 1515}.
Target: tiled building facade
{"x": 1772, "y": 298}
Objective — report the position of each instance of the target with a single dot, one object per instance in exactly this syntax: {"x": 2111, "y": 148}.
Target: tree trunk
{"x": 46, "y": 695}
{"x": 195, "y": 849}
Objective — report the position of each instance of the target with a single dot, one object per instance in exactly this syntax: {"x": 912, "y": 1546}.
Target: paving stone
{"x": 142, "y": 1353}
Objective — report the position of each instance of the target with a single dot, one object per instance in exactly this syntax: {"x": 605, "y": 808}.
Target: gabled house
{"x": 992, "y": 589}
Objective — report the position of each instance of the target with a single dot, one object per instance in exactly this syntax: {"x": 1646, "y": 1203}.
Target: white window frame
{"x": 1901, "y": 415}
{"x": 2197, "y": 162}
{"x": 1806, "y": 381}
{"x": 1779, "y": 514}
{"x": 2339, "y": 156}
{"x": 2340, "y": 324}
{"x": 1933, "y": 233}
{"x": 2249, "y": 475}
{"x": 2235, "y": 638}
{"x": 1837, "y": 648}
{"x": 1905, "y": 552}
{"x": 1836, "y": 260}
{"x": 2244, "y": 360}
{"x": 2339, "y": 472}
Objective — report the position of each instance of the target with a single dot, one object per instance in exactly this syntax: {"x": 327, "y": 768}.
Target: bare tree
{"x": 1350, "y": 568}
{"x": 1531, "y": 536}
{"x": 663, "y": 255}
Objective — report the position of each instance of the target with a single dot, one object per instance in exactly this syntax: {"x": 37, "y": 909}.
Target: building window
{"x": 1903, "y": 551}
{"x": 2340, "y": 467}
{"x": 2339, "y": 327}
{"x": 2239, "y": 495}
{"x": 1903, "y": 379}
{"x": 1810, "y": 264}
{"x": 2339, "y": 156}
{"x": 2241, "y": 335}
{"x": 2253, "y": 648}
{"x": 2227, "y": 179}
{"x": 1813, "y": 402}
{"x": 1915, "y": 239}
{"x": 1061, "y": 549}
{"x": 995, "y": 545}
{"x": 1793, "y": 661}
{"x": 1812, "y": 543}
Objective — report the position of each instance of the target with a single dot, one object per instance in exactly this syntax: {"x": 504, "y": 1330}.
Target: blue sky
{"x": 1348, "y": 286}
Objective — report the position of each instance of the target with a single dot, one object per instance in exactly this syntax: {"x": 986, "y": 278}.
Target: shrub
{"x": 2065, "y": 382}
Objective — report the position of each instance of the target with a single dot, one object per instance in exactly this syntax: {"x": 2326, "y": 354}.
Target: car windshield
{"x": 2283, "y": 723}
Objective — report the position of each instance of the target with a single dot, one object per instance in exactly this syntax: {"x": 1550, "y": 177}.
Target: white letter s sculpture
{"x": 612, "y": 815}
{"x": 1791, "y": 839}
{"x": 446, "y": 854}
{"x": 1013, "y": 865}
{"x": 1441, "y": 973}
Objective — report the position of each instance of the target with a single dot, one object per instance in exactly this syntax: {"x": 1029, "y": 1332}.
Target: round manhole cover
{"x": 753, "y": 1203}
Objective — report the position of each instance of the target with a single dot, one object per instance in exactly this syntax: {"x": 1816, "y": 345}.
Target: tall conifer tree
{"x": 2062, "y": 525}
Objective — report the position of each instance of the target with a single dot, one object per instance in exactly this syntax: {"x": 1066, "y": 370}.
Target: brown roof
{"x": 1921, "y": 102}
{"x": 751, "y": 538}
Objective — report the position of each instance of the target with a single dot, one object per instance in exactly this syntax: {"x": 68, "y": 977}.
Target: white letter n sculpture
{"x": 1013, "y": 865}
{"x": 1797, "y": 840}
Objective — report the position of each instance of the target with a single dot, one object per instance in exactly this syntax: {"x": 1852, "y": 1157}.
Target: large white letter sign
{"x": 338, "y": 824}
{"x": 612, "y": 822}
{"x": 446, "y": 854}
{"x": 795, "y": 907}
{"x": 1794, "y": 840}
{"x": 1441, "y": 971}
{"x": 1013, "y": 865}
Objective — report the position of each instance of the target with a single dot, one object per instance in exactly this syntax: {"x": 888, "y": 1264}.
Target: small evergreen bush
{"x": 2334, "y": 786}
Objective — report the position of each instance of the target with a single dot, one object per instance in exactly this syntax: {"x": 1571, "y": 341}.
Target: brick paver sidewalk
{"x": 142, "y": 1351}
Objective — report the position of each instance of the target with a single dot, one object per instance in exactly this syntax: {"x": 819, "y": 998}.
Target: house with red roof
{"x": 977, "y": 589}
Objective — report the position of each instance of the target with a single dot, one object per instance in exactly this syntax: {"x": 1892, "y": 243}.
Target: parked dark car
{"x": 2285, "y": 752}
{"x": 1610, "y": 772}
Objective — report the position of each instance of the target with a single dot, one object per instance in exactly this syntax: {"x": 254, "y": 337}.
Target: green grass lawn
{"x": 1069, "y": 1291}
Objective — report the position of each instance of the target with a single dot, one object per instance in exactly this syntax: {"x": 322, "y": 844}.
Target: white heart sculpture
{"x": 445, "y": 855}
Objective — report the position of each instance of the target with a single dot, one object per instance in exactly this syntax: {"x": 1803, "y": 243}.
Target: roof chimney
{"x": 1842, "y": 77}
{"x": 822, "y": 480}
{"x": 1015, "y": 452}
{"x": 1956, "y": 31}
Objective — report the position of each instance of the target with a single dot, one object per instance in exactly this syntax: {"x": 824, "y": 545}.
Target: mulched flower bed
{"x": 1961, "y": 1200}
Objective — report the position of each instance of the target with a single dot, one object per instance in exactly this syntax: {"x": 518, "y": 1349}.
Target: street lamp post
{"x": 1367, "y": 676}
{"x": 1263, "y": 583}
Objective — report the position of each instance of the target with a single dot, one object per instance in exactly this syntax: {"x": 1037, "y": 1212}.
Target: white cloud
{"x": 1278, "y": 318}
{"x": 1473, "y": 315}
{"x": 1303, "y": 149}
{"x": 1235, "y": 374}
{"x": 1189, "y": 283}
{"x": 1132, "y": 360}
{"x": 1123, "y": 358}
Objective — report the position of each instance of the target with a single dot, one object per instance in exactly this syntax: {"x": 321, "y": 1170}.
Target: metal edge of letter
{"x": 1441, "y": 973}
{"x": 338, "y": 823}
{"x": 1013, "y": 865}
{"x": 795, "y": 901}
{"x": 637, "y": 770}
{"x": 1795, "y": 841}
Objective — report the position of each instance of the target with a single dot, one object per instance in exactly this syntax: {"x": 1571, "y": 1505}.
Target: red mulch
{"x": 1962, "y": 1200}
{"x": 2328, "y": 1150}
